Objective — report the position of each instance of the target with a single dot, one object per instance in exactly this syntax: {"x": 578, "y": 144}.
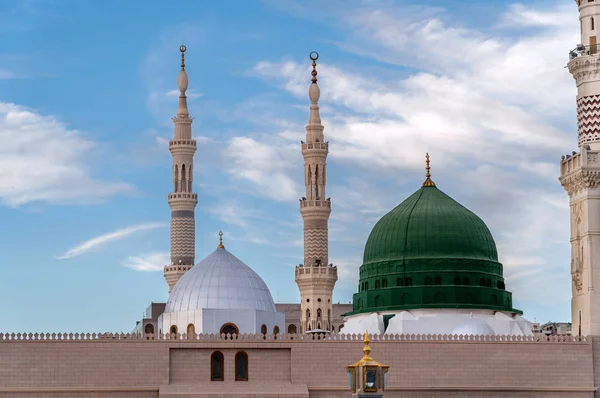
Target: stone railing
{"x": 182, "y": 142}
{"x": 316, "y": 145}
{"x": 183, "y": 195}
{"x": 323, "y": 270}
{"x": 315, "y": 203}
{"x": 17, "y": 337}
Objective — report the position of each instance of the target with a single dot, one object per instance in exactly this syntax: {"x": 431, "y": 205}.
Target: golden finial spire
{"x": 220, "y": 241}
{"x": 314, "y": 56}
{"x": 428, "y": 182}
{"x": 366, "y": 348}
{"x": 182, "y": 48}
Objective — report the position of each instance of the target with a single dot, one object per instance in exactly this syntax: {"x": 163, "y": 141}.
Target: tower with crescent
{"x": 315, "y": 277}
{"x": 182, "y": 200}
{"x": 580, "y": 177}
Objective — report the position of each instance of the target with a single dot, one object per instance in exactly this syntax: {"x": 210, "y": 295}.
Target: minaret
{"x": 182, "y": 201}
{"x": 580, "y": 176}
{"x": 316, "y": 277}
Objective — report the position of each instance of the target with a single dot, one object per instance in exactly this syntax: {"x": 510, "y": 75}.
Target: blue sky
{"x": 85, "y": 106}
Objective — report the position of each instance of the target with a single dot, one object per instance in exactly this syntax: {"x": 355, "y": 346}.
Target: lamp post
{"x": 367, "y": 378}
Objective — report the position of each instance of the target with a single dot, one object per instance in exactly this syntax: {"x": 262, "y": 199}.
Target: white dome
{"x": 473, "y": 327}
{"x": 220, "y": 281}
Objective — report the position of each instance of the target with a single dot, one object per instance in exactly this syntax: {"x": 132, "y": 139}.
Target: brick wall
{"x": 427, "y": 367}
{"x": 189, "y": 365}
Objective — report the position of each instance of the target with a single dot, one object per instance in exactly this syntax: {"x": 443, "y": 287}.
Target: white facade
{"x": 439, "y": 321}
{"x": 580, "y": 176}
{"x": 221, "y": 294}
{"x": 210, "y": 320}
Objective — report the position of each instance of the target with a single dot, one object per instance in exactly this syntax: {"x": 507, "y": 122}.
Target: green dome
{"x": 430, "y": 224}
{"x": 430, "y": 252}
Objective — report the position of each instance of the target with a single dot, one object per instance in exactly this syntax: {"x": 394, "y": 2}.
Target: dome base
{"x": 437, "y": 321}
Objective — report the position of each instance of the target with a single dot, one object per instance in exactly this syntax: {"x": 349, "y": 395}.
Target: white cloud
{"x": 149, "y": 262}
{"x": 265, "y": 165}
{"x": 90, "y": 244}
{"x": 41, "y": 160}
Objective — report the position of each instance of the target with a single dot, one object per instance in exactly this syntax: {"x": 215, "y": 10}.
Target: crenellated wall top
{"x": 288, "y": 338}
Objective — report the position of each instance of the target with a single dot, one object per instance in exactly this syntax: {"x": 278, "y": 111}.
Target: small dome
{"x": 220, "y": 281}
{"x": 473, "y": 327}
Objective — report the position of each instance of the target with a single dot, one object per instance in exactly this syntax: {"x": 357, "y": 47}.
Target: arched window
{"x": 489, "y": 283}
{"x": 176, "y": 178}
{"x": 384, "y": 283}
{"x": 482, "y": 282}
{"x": 229, "y": 328}
{"x": 292, "y": 329}
{"x": 428, "y": 281}
{"x": 263, "y": 329}
{"x": 399, "y": 282}
{"x": 241, "y": 366}
{"x": 191, "y": 331}
{"x": 466, "y": 281}
{"x": 376, "y": 284}
{"x": 404, "y": 299}
{"x": 408, "y": 281}
{"x": 216, "y": 366}
{"x": 366, "y": 285}
{"x": 438, "y": 280}
{"x": 378, "y": 301}
{"x": 307, "y": 313}
{"x": 183, "y": 180}
{"x": 457, "y": 280}
{"x": 149, "y": 329}
{"x": 329, "y": 315}
{"x": 173, "y": 331}
{"x": 592, "y": 24}
{"x": 318, "y": 313}
{"x": 276, "y": 330}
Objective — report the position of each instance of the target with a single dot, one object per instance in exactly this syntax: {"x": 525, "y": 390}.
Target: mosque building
{"x": 430, "y": 265}
{"x": 431, "y": 296}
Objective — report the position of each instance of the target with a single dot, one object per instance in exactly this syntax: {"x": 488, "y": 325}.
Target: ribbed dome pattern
{"x": 430, "y": 252}
{"x": 430, "y": 224}
{"x": 220, "y": 281}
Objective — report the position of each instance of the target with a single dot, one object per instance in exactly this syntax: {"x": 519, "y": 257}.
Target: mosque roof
{"x": 431, "y": 252}
{"x": 473, "y": 327}
{"x": 429, "y": 224}
{"x": 220, "y": 281}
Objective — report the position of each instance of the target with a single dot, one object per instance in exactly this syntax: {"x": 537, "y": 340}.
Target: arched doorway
{"x": 149, "y": 329}
{"x": 292, "y": 329}
{"x": 173, "y": 331}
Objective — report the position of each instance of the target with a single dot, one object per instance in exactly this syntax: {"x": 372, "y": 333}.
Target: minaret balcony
{"x": 323, "y": 146}
{"x": 307, "y": 272}
{"x": 315, "y": 203}
{"x": 580, "y": 170}
{"x": 183, "y": 195}
{"x": 182, "y": 143}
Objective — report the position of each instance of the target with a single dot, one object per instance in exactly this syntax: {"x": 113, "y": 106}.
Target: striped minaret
{"x": 182, "y": 200}
{"x": 315, "y": 278}
{"x": 580, "y": 176}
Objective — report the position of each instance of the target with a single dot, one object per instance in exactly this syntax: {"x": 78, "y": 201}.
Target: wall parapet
{"x": 20, "y": 337}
